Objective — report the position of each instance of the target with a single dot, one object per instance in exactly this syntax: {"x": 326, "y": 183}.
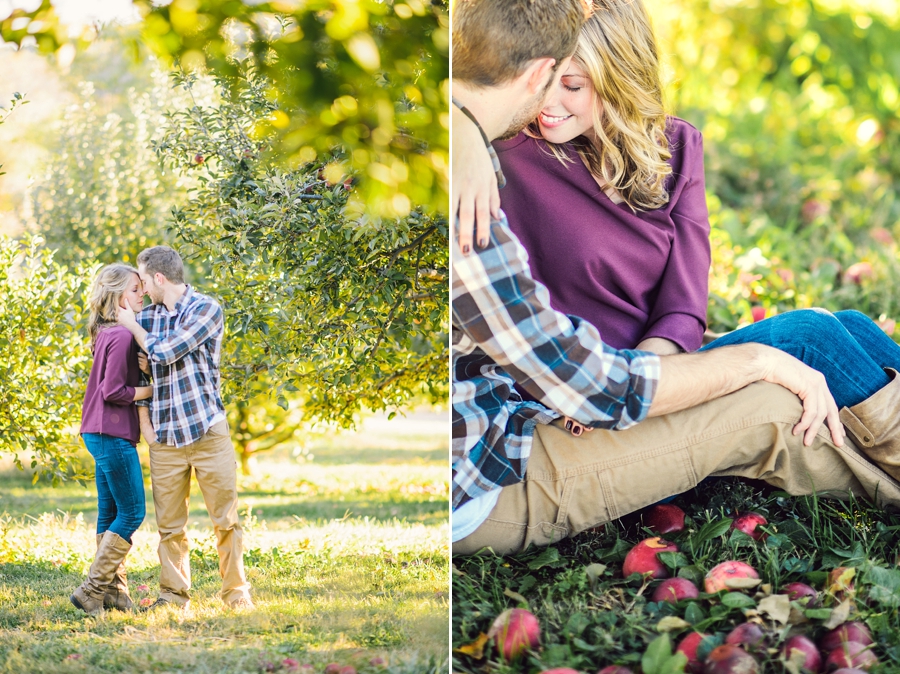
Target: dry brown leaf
{"x": 776, "y": 606}
{"x": 741, "y": 583}
{"x": 839, "y": 615}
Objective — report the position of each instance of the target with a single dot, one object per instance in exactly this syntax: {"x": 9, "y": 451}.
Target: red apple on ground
{"x": 748, "y": 523}
{"x": 664, "y": 518}
{"x": 688, "y": 646}
{"x": 515, "y": 631}
{"x": 378, "y": 661}
{"x": 857, "y": 273}
{"x": 347, "y": 669}
{"x": 729, "y": 659}
{"x": 847, "y": 670}
{"x": 799, "y": 591}
{"x": 720, "y": 575}
{"x": 851, "y": 654}
{"x": 812, "y": 658}
{"x": 642, "y": 558}
{"x": 758, "y": 313}
{"x": 675, "y": 589}
{"x": 615, "y": 669}
{"x": 840, "y": 581}
{"x": 333, "y": 668}
{"x": 857, "y": 632}
{"x": 560, "y": 670}
{"x": 748, "y": 635}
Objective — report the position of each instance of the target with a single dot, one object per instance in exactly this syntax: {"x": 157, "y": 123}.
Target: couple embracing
{"x": 156, "y": 372}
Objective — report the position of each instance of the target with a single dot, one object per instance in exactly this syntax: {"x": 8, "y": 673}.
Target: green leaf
{"x": 694, "y": 613}
{"x": 885, "y": 585}
{"x": 657, "y": 654}
{"x": 713, "y": 529}
{"x": 548, "y": 557}
{"x": 737, "y": 600}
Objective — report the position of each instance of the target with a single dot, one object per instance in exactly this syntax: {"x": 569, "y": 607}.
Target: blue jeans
{"x": 847, "y": 347}
{"x": 121, "y": 505}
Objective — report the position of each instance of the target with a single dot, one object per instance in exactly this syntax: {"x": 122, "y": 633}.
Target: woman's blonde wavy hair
{"x": 618, "y": 52}
{"x": 111, "y": 282}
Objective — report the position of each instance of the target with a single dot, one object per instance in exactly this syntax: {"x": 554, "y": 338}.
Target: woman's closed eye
{"x": 568, "y": 88}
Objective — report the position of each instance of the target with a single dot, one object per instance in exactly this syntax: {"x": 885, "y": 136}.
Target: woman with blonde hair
{"x": 605, "y": 191}
{"x": 110, "y": 429}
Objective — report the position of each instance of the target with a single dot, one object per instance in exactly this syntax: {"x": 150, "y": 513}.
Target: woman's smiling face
{"x": 569, "y": 112}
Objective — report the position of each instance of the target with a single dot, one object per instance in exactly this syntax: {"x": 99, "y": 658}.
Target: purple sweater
{"x": 633, "y": 275}
{"x": 109, "y": 400}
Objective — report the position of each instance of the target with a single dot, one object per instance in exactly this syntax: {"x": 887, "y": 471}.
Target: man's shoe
{"x": 242, "y": 604}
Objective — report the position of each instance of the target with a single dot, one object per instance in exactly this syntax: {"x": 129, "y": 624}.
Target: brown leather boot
{"x": 117, "y": 596}
{"x": 89, "y": 595}
{"x": 875, "y": 425}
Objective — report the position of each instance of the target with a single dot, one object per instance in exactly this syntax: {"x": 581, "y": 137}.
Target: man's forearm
{"x": 147, "y": 429}
{"x": 689, "y": 379}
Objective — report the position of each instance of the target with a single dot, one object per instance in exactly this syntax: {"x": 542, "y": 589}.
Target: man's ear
{"x": 539, "y": 71}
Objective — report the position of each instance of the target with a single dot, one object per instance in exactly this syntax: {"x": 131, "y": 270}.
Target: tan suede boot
{"x": 117, "y": 596}
{"x": 875, "y": 425}
{"x": 89, "y": 595}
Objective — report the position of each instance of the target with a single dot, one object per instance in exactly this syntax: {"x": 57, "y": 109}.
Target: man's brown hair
{"x": 494, "y": 40}
{"x": 162, "y": 260}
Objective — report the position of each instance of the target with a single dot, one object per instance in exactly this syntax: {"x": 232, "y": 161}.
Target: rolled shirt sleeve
{"x": 205, "y": 322}
{"x": 562, "y": 363}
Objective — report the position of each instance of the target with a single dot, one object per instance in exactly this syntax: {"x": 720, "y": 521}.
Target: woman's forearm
{"x": 142, "y": 392}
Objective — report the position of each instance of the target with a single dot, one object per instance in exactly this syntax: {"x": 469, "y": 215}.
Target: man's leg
{"x": 213, "y": 460}
{"x": 573, "y": 484}
{"x": 170, "y": 475}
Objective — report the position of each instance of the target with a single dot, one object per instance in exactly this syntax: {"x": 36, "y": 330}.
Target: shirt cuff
{"x": 683, "y": 329}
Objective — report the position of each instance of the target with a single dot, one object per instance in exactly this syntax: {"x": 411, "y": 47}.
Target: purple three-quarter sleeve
{"x": 114, "y": 388}
{"x": 679, "y": 313}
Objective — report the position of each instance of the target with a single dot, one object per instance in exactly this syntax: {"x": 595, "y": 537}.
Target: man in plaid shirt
{"x": 659, "y": 424}
{"x": 181, "y": 332}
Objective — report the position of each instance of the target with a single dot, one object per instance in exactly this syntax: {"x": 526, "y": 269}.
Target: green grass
{"x": 588, "y": 626}
{"x": 347, "y": 555}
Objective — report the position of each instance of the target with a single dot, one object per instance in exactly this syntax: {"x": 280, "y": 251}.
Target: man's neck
{"x": 489, "y": 105}
{"x": 172, "y": 294}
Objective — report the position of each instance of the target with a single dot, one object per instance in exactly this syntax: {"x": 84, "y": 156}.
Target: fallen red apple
{"x": 729, "y": 575}
{"x": 857, "y": 632}
{"x": 748, "y": 635}
{"x": 848, "y": 670}
{"x": 799, "y": 591}
{"x": 729, "y": 659}
{"x": 333, "y": 668}
{"x": 851, "y": 654}
{"x": 758, "y": 313}
{"x": 675, "y": 589}
{"x": 514, "y": 631}
{"x": 560, "y": 670}
{"x": 688, "y": 646}
{"x": 378, "y": 661}
{"x": 664, "y": 518}
{"x": 347, "y": 669}
{"x": 812, "y": 658}
{"x": 615, "y": 669}
{"x": 840, "y": 581}
{"x": 642, "y": 558}
{"x": 748, "y": 522}
{"x": 858, "y": 272}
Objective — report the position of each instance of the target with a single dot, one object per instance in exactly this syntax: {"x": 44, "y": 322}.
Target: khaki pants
{"x": 212, "y": 459}
{"x": 573, "y": 484}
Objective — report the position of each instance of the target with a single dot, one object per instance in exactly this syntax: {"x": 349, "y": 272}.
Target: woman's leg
{"x": 106, "y": 504}
{"x": 820, "y": 340}
{"x": 126, "y": 483}
{"x": 881, "y": 348}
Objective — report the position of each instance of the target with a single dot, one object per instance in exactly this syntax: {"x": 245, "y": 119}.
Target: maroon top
{"x": 633, "y": 275}
{"x": 109, "y": 400}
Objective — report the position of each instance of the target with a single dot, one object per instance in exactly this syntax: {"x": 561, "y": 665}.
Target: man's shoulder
{"x": 200, "y": 301}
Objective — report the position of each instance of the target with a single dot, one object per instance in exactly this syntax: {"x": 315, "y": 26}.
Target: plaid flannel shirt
{"x": 504, "y": 331}
{"x": 183, "y": 348}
